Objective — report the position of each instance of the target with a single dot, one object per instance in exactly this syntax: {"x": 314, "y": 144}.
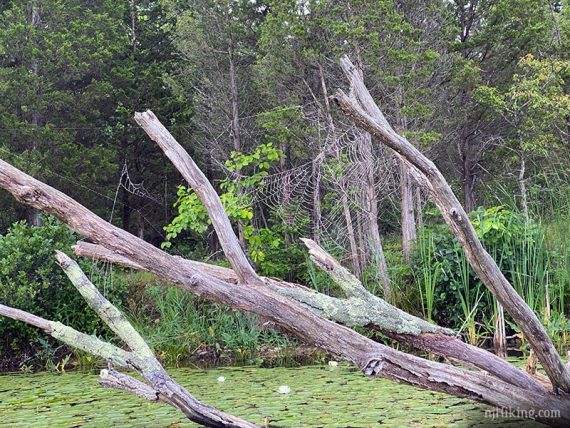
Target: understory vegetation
{"x": 184, "y": 330}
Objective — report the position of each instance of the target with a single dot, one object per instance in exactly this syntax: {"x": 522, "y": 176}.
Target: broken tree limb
{"x": 372, "y": 358}
{"x": 98, "y": 252}
{"x": 205, "y": 191}
{"x": 372, "y": 312}
{"x": 160, "y": 386}
{"x": 381, "y": 316}
{"x": 365, "y": 113}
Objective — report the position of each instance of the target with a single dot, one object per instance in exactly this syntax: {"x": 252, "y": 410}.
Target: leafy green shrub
{"x": 460, "y": 299}
{"x": 271, "y": 246}
{"x": 31, "y": 280}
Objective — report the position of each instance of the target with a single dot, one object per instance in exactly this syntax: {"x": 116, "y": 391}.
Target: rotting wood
{"x": 371, "y": 311}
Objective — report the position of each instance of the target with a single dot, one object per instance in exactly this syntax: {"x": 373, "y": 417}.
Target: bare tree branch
{"x": 140, "y": 358}
{"x": 366, "y": 114}
{"x": 205, "y": 191}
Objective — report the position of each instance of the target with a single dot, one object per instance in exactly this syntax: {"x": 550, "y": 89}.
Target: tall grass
{"x": 178, "y": 326}
{"x": 468, "y": 298}
{"x": 533, "y": 255}
{"x": 429, "y": 274}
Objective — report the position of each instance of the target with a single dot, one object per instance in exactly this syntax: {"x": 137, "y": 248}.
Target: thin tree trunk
{"x": 31, "y": 214}
{"x": 126, "y": 209}
{"x": 468, "y": 181}
{"x": 418, "y": 209}
{"x": 522, "y": 186}
{"x": 408, "y": 219}
{"x": 350, "y": 232}
{"x": 371, "y": 206}
{"x": 500, "y": 337}
{"x": 235, "y": 126}
{"x": 361, "y": 221}
{"x": 317, "y": 215}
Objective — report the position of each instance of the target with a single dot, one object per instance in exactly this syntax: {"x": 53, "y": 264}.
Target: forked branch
{"x": 159, "y": 386}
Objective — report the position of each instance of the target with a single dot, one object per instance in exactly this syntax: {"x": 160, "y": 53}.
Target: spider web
{"x": 343, "y": 168}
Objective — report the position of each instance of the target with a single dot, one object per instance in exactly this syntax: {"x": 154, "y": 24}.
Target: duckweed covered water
{"x": 319, "y": 397}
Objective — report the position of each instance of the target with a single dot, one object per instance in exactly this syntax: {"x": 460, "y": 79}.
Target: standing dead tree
{"x": 309, "y": 315}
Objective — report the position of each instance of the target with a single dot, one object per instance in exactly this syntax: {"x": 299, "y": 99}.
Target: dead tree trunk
{"x": 354, "y": 257}
{"x": 522, "y": 185}
{"x": 317, "y": 216}
{"x": 408, "y": 218}
{"x": 371, "y": 208}
{"x": 159, "y": 386}
{"x": 361, "y": 108}
{"x": 31, "y": 214}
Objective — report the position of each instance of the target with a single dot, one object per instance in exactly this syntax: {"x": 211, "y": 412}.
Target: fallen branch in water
{"x": 159, "y": 386}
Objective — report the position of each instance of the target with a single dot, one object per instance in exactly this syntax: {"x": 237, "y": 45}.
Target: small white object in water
{"x": 333, "y": 363}
{"x": 221, "y": 379}
{"x": 284, "y": 389}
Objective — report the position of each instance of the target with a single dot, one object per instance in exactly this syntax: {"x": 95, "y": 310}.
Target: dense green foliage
{"x": 458, "y": 299}
{"x": 31, "y": 280}
{"x": 183, "y": 329}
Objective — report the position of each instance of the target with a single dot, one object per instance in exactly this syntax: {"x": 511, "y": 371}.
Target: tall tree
{"x": 216, "y": 42}
{"x": 55, "y": 65}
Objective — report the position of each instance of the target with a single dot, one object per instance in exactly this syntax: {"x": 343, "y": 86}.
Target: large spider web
{"x": 340, "y": 167}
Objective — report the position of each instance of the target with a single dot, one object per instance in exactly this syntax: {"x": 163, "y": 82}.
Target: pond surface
{"x": 319, "y": 397}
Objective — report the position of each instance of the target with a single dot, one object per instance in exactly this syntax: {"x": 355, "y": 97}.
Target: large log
{"x": 360, "y": 308}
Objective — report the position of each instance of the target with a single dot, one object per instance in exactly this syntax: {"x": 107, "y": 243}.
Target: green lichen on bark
{"x": 91, "y": 345}
{"x": 105, "y": 309}
{"x": 360, "y": 307}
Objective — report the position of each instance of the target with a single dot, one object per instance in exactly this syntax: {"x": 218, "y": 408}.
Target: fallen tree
{"x": 159, "y": 385}
{"x": 313, "y": 317}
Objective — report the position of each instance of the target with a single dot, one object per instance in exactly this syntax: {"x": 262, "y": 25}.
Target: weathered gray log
{"x": 203, "y": 188}
{"x": 373, "y": 358}
{"x": 361, "y": 309}
{"x": 160, "y": 386}
{"x": 361, "y": 108}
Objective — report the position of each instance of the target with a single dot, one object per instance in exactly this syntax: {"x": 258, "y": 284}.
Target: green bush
{"x": 459, "y": 297}
{"x": 31, "y": 280}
